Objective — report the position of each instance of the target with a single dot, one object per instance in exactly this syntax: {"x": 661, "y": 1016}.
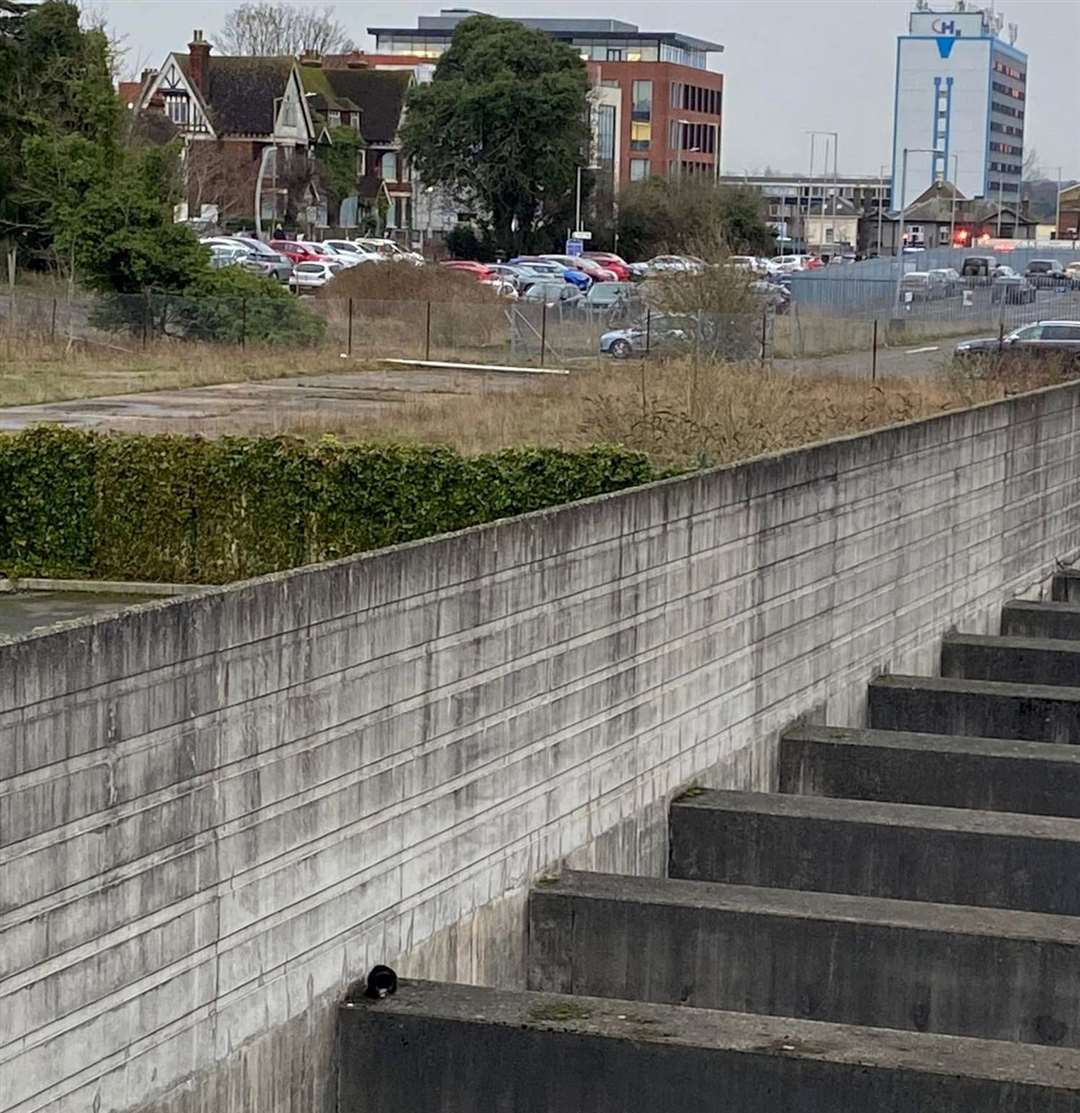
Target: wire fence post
{"x": 873, "y": 358}
{"x": 427, "y": 333}
{"x": 543, "y": 331}
{"x": 243, "y": 324}
{"x": 764, "y": 333}
{"x": 348, "y": 342}
{"x": 648, "y": 330}
{"x": 145, "y": 316}
{"x": 52, "y": 327}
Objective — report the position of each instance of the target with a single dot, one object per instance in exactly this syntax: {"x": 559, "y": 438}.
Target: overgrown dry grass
{"x": 683, "y": 416}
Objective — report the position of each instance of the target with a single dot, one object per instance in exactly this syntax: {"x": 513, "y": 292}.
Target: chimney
{"x": 198, "y": 60}
{"x": 311, "y": 58}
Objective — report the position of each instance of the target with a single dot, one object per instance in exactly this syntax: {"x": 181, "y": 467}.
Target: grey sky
{"x": 789, "y": 65}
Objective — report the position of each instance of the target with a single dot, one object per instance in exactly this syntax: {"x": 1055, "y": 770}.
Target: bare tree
{"x": 263, "y": 28}
{"x": 1033, "y": 170}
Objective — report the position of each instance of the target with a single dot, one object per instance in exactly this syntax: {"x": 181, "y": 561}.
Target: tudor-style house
{"x": 247, "y": 132}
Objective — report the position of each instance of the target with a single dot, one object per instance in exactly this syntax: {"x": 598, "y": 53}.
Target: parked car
{"x": 312, "y": 276}
{"x": 1011, "y": 288}
{"x": 280, "y": 265}
{"x": 612, "y": 298}
{"x": 949, "y": 277}
{"x": 1073, "y": 271}
{"x": 775, "y": 294}
{"x": 666, "y": 333}
{"x": 673, "y": 264}
{"x": 328, "y": 254}
{"x": 395, "y": 253}
{"x": 1046, "y": 272}
{"x": 348, "y": 248}
{"x": 978, "y": 269}
{"x": 612, "y": 262}
{"x": 468, "y": 266}
{"x": 788, "y": 264}
{"x": 296, "y": 251}
{"x": 550, "y": 269}
{"x": 1028, "y": 342}
{"x": 519, "y": 277}
{"x": 923, "y": 286}
{"x": 579, "y": 263}
{"x": 554, "y": 294}
{"x": 236, "y": 255}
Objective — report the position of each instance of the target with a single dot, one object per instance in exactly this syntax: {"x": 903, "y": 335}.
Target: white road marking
{"x": 919, "y": 351}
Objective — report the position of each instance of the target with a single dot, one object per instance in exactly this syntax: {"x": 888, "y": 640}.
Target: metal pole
{"x": 52, "y": 329}
{"x": 1057, "y": 208}
{"x": 835, "y": 180}
{"x": 880, "y": 204}
{"x": 764, "y": 332}
{"x": 1001, "y": 201}
{"x": 648, "y": 329}
{"x": 543, "y": 330}
{"x": 873, "y": 361}
{"x": 809, "y": 197}
{"x": 900, "y": 233}
{"x": 348, "y": 348}
{"x": 243, "y": 323}
{"x": 427, "y": 334}
{"x": 952, "y": 215}
{"x": 577, "y": 203}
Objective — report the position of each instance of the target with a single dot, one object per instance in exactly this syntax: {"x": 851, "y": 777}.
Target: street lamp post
{"x": 903, "y": 215}
{"x": 952, "y": 209}
{"x": 836, "y": 176}
{"x": 1057, "y": 206}
{"x": 880, "y": 204}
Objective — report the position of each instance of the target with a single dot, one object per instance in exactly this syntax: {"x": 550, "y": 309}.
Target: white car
{"x": 351, "y": 250}
{"x": 312, "y": 276}
{"x": 789, "y": 264}
{"x": 331, "y": 255}
{"x": 390, "y": 250}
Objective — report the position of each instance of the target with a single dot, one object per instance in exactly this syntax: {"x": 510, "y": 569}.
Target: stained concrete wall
{"x": 217, "y": 811}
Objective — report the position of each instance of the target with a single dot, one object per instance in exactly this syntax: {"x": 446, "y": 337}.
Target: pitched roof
{"x": 129, "y": 93}
{"x": 240, "y": 92}
{"x": 379, "y": 94}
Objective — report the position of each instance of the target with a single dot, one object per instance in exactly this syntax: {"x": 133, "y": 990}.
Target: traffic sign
{"x": 574, "y": 247}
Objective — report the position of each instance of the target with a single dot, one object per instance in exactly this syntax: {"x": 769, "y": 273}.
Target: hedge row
{"x": 186, "y": 510}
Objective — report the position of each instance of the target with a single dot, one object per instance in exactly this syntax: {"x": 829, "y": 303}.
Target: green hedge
{"x": 185, "y": 510}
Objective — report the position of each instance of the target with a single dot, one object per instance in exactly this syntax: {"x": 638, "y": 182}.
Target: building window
{"x": 639, "y": 169}
{"x": 605, "y": 133}
{"x": 641, "y": 92}
{"x": 640, "y": 136}
{"x": 176, "y": 108}
{"x": 333, "y": 119}
{"x": 361, "y": 163}
{"x": 614, "y": 54}
{"x": 388, "y": 167}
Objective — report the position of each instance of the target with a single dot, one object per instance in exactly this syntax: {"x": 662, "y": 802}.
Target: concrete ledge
{"x": 1013, "y": 660}
{"x": 464, "y": 1049}
{"x": 1022, "y": 618}
{"x": 982, "y": 708}
{"x": 799, "y": 954}
{"x": 1065, "y": 586}
{"x": 947, "y": 771}
{"x": 109, "y": 587}
{"x": 900, "y": 851}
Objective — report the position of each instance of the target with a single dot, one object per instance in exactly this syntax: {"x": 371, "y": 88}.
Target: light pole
{"x": 880, "y": 204}
{"x": 1001, "y": 201}
{"x": 952, "y": 211}
{"x": 1057, "y": 206}
{"x": 836, "y": 176}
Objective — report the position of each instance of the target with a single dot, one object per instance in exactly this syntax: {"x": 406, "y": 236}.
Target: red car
{"x": 296, "y": 252}
{"x": 477, "y": 270}
{"x": 609, "y": 261}
{"x": 588, "y": 266}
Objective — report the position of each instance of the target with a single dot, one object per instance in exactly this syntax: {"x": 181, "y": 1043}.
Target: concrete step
{"x": 468, "y": 1049}
{"x": 1065, "y": 586}
{"x": 819, "y": 956}
{"x": 1024, "y": 619}
{"x": 1013, "y": 660}
{"x": 900, "y": 851}
{"x": 979, "y": 708}
{"x": 946, "y": 771}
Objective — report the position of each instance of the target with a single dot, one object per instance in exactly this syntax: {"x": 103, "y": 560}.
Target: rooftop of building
{"x": 444, "y": 24}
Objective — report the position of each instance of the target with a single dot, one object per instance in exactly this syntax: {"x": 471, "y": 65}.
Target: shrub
{"x": 182, "y": 509}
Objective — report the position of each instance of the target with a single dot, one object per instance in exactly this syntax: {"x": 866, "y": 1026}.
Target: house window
{"x": 333, "y": 119}
{"x": 640, "y": 136}
{"x": 389, "y": 167}
{"x": 288, "y": 114}
{"x": 642, "y": 100}
{"x": 361, "y": 163}
{"x": 639, "y": 169}
{"x": 614, "y": 54}
{"x": 176, "y": 108}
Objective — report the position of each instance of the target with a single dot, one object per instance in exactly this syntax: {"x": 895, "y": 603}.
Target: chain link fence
{"x": 504, "y": 333}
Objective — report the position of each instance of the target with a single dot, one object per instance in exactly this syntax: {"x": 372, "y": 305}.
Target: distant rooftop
{"x": 442, "y": 26}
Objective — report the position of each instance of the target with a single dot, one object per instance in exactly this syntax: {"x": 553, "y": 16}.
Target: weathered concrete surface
{"x": 23, "y": 613}
{"x": 946, "y": 771}
{"x": 222, "y": 809}
{"x": 1012, "y": 660}
{"x": 900, "y": 851}
{"x": 981, "y": 708}
{"x": 462, "y": 1049}
{"x": 819, "y": 956}
{"x": 1022, "y": 618}
{"x": 1065, "y": 586}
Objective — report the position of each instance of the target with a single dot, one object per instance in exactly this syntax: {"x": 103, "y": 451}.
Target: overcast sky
{"x": 789, "y": 65}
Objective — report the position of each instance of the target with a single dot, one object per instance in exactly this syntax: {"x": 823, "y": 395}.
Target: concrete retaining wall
{"x": 805, "y": 954}
{"x": 219, "y": 810}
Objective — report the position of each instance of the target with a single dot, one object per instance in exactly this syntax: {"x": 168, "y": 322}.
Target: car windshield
{"x": 1040, "y": 266}
{"x": 606, "y": 291}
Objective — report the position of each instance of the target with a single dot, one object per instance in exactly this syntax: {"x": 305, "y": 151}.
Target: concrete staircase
{"x": 896, "y": 929}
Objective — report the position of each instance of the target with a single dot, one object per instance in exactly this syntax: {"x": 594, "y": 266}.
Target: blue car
{"x": 550, "y": 268}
